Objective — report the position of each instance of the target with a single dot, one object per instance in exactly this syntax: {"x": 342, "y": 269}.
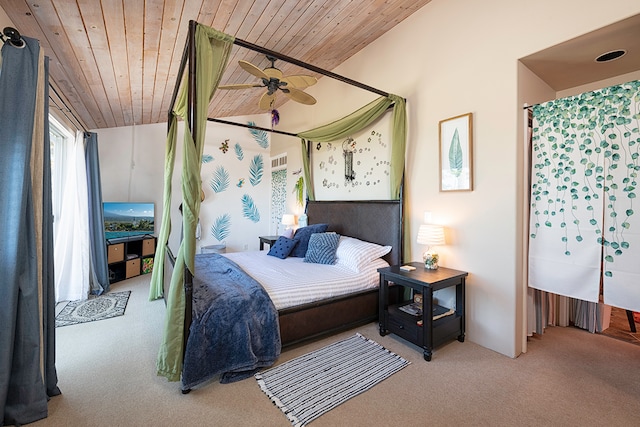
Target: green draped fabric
{"x": 155, "y": 290}
{"x": 357, "y": 121}
{"x": 213, "y": 49}
{"x": 307, "y": 172}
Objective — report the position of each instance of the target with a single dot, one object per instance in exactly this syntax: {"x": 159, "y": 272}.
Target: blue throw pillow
{"x": 282, "y": 247}
{"x": 302, "y": 238}
{"x": 322, "y": 248}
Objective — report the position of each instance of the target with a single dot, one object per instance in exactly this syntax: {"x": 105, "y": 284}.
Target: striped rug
{"x": 310, "y": 385}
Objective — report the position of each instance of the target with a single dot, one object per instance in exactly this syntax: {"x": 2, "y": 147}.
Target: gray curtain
{"x": 26, "y": 308}
{"x": 99, "y": 268}
{"x": 48, "y": 277}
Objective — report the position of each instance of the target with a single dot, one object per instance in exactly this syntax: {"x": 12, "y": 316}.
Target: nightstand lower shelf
{"x": 422, "y": 329}
{"x": 407, "y": 326}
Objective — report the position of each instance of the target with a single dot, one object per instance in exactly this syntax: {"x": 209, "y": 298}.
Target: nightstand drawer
{"x": 405, "y": 328}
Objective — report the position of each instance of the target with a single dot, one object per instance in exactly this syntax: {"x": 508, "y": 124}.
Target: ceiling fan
{"x": 273, "y": 79}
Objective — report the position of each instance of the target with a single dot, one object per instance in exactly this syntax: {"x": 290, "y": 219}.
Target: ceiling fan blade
{"x": 240, "y": 86}
{"x": 300, "y": 96}
{"x": 252, "y": 69}
{"x": 299, "y": 81}
{"x": 266, "y": 101}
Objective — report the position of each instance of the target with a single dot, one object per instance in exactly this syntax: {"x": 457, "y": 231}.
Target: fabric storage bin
{"x": 115, "y": 253}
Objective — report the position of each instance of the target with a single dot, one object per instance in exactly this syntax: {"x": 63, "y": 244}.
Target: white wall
{"x": 449, "y": 58}
{"x": 132, "y": 169}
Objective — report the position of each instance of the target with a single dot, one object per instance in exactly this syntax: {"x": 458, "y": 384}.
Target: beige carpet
{"x": 569, "y": 377}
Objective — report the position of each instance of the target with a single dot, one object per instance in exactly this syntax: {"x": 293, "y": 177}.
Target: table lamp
{"x": 288, "y": 220}
{"x": 430, "y": 235}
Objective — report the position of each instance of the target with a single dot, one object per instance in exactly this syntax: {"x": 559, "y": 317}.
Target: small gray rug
{"x": 95, "y": 308}
{"x": 310, "y": 385}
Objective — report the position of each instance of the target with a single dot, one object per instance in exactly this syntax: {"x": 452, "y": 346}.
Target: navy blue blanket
{"x": 235, "y": 329}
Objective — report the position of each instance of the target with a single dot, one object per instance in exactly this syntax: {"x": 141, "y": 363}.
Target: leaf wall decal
{"x": 249, "y": 209}
{"x": 207, "y": 158}
{"x": 239, "y": 152}
{"x": 221, "y": 227}
{"x": 298, "y": 190}
{"x": 455, "y": 155}
{"x": 260, "y": 136}
{"x": 256, "y": 169}
{"x": 220, "y": 180}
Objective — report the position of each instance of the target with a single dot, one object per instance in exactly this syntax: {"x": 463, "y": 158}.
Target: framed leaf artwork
{"x": 456, "y": 159}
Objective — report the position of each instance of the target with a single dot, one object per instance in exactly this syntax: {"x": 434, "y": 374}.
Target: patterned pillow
{"x": 355, "y": 254}
{"x": 302, "y": 236}
{"x": 322, "y": 248}
{"x": 282, "y": 247}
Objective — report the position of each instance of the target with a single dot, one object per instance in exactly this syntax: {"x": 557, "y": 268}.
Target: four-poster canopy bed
{"x": 374, "y": 223}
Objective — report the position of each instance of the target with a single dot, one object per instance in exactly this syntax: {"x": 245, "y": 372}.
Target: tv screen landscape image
{"x": 125, "y": 220}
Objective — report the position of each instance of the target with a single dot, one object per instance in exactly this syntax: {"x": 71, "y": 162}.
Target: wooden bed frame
{"x": 373, "y": 221}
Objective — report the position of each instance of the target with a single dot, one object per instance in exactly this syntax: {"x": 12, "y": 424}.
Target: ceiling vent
{"x": 610, "y": 56}
{"x": 279, "y": 162}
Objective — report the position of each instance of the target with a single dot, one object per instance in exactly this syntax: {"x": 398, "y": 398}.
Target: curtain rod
{"x": 76, "y": 122}
{"x": 13, "y": 37}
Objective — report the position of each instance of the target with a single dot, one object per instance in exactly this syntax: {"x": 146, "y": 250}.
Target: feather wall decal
{"x": 249, "y": 209}
{"x": 221, "y": 227}
{"x": 239, "y": 152}
{"x": 455, "y": 155}
{"x": 260, "y": 136}
{"x": 220, "y": 180}
{"x": 256, "y": 169}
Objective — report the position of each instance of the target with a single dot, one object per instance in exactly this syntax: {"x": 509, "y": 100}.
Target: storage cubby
{"x": 130, "y": 258}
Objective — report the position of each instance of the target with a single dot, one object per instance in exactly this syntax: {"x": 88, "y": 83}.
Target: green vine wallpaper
{"x": 585, "y": 165}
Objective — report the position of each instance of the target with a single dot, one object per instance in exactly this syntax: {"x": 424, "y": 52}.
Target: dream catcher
{"x": 348, "y": 148}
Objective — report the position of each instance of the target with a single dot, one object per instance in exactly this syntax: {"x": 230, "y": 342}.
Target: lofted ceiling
{"x": 114, "y": 62}
{"x": 572, "y": 63}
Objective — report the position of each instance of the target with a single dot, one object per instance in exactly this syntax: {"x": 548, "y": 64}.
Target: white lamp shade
{"x": 288, "y": 219}
{"x": 431, "y": 234}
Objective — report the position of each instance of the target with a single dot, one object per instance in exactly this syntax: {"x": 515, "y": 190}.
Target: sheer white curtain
{"x": 71, "y": 221}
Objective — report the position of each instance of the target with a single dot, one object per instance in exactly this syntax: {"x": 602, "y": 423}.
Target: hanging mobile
{"x": 275, "y": 118}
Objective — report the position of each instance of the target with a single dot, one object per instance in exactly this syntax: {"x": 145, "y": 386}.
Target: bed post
{"x": 191, "y": 108}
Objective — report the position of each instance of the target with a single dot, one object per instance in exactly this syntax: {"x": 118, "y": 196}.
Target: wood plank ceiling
{"x": 114, "y": 62}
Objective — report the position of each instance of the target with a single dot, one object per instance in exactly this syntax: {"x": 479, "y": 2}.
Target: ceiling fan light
{"x": 610, "y": 56}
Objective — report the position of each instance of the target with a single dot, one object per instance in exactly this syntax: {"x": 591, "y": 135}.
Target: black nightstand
{"x": 270, "y": 240}
{"x": 422, "y": 330}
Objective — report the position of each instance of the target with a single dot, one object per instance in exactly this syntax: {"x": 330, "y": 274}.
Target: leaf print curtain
{"x": 583, "y": 229}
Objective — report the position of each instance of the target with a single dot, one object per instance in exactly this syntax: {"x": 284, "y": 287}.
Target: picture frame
{"x": 456, "y": 153}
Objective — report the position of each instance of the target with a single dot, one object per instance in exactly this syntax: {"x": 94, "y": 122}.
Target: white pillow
{"x": 355, "y": 254}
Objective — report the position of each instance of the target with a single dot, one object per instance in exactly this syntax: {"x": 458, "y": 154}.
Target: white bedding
{"x": 291, "y": 281}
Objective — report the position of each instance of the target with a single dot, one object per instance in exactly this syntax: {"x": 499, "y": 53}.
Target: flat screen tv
{"x": 124, "y": 220}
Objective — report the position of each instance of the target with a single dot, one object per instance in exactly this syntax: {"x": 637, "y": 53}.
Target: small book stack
{"x": 439, "y": 312}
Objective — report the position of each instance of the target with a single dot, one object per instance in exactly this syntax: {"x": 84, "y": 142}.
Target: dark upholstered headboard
{"x": 377, "y": 221}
